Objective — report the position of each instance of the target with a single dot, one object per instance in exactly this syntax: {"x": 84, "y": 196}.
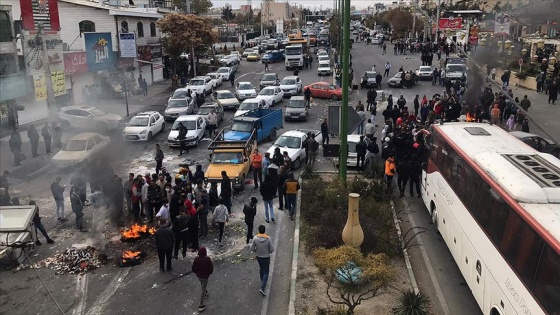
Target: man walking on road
{"x": 263, "y": 247}
{"x": 202, "y": 267}
{"x": 164, "y": 239}
{"x": 325, "y": 132}
{"x": 47, "y": 137}
{"x": 33, "y": 136}
{"x": 256, "y": 162}
{"x": 387, "y": 69}
{"x": 159, "y": 158}
{"x": 250, "y": 211}
{"x": 15, "y": 147}
{"x": 268, "y": 190}
{"x": 312, "y": 147}
{"x": 291, "y": 187}
{"x": 226, "y": 191}
{"x": 57, "y": 192}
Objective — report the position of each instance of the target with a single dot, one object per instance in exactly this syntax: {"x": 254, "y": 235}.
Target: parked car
{"x": 370, "y": 82}
{"x": 143, "y": 126}
{"x": 244, "y": 90}
{"x": 291, "y": 85}
{"x": 248, "y": 105}
{"x": 81, "y": 149}
{"x": 323, "y": 58}
{"x": 292, "y": 142}
{"x": 178, "y": 107}
{"x": 225, "y": 98}
{"x": 253, "y": 56}
{"x": 269, "y": 79}
{"x": 272, "y": 95}
{"x": 538, "y": 143}
{"x": 216, "y": 79}
{"x": 196, "y": 127}
{"x": 225, "y": 72}
{"x": 296, "y": 109}
{"x": 324, "y": 68}
{"x": 229, "y": 61}
{"x": 202, "y": 85}
{"x": 247, "y": 51}
{"x": 325, "y": 90}
{"x": 425, "y": 73}
{"x": 396, "y": 80}
{"x": 205, "y": 109}
{"x": 88, "y": 117}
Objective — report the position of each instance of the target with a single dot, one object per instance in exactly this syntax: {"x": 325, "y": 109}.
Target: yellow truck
{"x": 234, "y": 157}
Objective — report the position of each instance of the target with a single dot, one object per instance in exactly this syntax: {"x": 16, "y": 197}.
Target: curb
{"x": 295, "y": 256}
{"x": 405, "y": 252}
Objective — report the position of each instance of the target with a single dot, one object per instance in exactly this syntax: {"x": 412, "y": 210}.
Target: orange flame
{"x": 136, "y": 231}
{"x": 471, "y": 118}
{"x": 127, "y": 254}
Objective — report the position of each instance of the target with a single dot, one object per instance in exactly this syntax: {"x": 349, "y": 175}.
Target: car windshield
{"x": 371, "y": 74}
{"x": 351, "y": 147}
{"x": 288, "y": 82}
{"x": 212, "y": 75}
{"x": 227, "y": 158}
{"x": 296, "y": 103}
{"x": 246, "y": 86}
{"x": 180, "y": 94}
{"x": 205, "y": 110}
{"x": 325, "y": 64}
{"x": 189, "y": 124}
{"x": 289, "y": 142}
{"x": 242, "y": 126}
{"x": 455, "y": 68}
{"x": 253, "y": 54}
{"x": 223, "y": 70}
{"x": 196, "y": 82}
{"x": 225, "y": 95}
{"x": 177, "y": 103}
{"x": 248, "y": 106}
{"x": 138, "y": 121}
{"x": 267, "y": 92}
{"x": 425, "y": 69}
{"x": 75, "y": 145}
{"x": 269, "y": 77}
{"x": 96, "y": 112}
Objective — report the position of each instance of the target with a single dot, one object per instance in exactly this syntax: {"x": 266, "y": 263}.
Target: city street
{"x": 233, "y": 288}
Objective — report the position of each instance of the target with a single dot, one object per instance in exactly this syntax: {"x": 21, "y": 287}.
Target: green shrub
{"x": 410, "y": 303}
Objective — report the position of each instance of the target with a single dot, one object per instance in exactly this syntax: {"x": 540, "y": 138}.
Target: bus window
{"x": 490, "y": 211}
{"x": 547, "y": 281}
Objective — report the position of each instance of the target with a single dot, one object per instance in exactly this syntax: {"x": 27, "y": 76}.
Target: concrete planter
{"x": 529, "y": 83}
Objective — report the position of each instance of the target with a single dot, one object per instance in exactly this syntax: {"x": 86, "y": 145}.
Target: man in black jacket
{"x": 33, "y": 136}
{"x": 226, "y": 191}
{"x": 159, "y": 158}
{"x": 403, "y": 169}
{"x": 57, "y": 192}
{"x": 250, "y": 211}
{"x": 371, "y": 96}
{"x": 15, "y": 147}
{"x": 268, "y": 190}
{"x": 164, "y": 239}
{"x": 182, "y": 136}
{"x": 282, "y": 177}
{"x": 415, "y": 172}
{"x": 361, "y": 150}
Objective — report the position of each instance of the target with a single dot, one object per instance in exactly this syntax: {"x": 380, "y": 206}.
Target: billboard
{"x": 501, "y": 25}
{"x": 36, "y": 12}
{"x": 75, "y": 63}
{"x": 473, "y": 34}
{"x": 145, "y": 53}
{"x": 450, "y": 23}
{"x": 127, "y": 45}
{"x": 32, "y": 51}
{"x": 99, "y": 51}
{"x": 58, "y": 82}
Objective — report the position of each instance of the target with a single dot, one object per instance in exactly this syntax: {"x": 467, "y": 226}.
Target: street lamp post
{"x": 345, "y": 90}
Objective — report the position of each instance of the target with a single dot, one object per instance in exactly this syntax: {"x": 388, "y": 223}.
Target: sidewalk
{"x": 136, "y": 103}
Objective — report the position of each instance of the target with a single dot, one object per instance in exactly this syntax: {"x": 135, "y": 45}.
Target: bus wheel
{"x": 435, "y": 216}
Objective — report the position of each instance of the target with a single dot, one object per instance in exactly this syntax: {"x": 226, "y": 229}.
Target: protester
{"x": 268, "y": 190}
{"x": 164, "y": 239}
{"x": 291, "y": 187}
{"x": 202, "y": 267}
{"x": 250, "y": 211}
{"x": 263, "y": 248}
{"x": 58, "y": 195}
{"x": 39, "y": 226}
{"x": 220, "y": 217}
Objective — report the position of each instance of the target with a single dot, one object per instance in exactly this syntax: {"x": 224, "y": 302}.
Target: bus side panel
{"x": 472, "y": 267}
{"x": 496, "y": 297}
{"x": 450, "y": 230}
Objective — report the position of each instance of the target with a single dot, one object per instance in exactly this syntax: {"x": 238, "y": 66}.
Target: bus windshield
{"x": 291, "y": 51}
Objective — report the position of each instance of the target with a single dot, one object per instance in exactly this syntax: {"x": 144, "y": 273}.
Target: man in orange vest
{"x": 256, "y": 163}
{"x": 390, "y": 170}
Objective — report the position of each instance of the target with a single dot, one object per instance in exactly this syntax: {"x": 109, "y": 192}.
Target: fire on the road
{"x": 137, "y": 231}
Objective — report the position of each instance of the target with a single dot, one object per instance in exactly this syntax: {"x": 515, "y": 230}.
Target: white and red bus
{"x": 496, "y": 202}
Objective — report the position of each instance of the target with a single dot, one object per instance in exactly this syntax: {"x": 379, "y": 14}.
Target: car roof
{"x": 252, "y": 100}
{"x": 84, "y": 107}
{"x": 223, "y": 91}
{"x": 187, "y": 117}
{"x": 200, "y": 77}
{"x": 354, "y": 138}
{"x": 244, "y": 82}
{"x": 297, "y": 98}
{"x": 294, "y": 133}
{"x": 209, "y": 105}
{"x": 85, "y": 136}
{"x": 229, "y": 68}
{"x": 522, "y": 134}
{"x": 145, "y": 114}
{"x": 291, "y": 77}
{"x": 269, "y": 87}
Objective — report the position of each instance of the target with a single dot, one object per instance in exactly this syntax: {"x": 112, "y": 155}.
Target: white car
{"x": 249, "y": 105}
{"x": 247, "y": 51}
{"x": 202, "y": 85}
{"x": 271, "y": 95}
{"x": 82, "y": 148}
{"x": 291, "y": 85}
{"x": 324, "y": 68}
{"x": 229, "y": 61}
{"x": 225, "y": 72}
{"x": 216, "y": 79}
{"x": 225, "y": 98}
{"x": 178, "y": 107}
{"x": 196, "y": 127}
{"x": 143, "y": 126}
{"x": 245, "y": 90}
{"x": 88, "y": 117}
{"x": 292, "y": 142}
{"x": 181, "y": 94}
{"x": 425, "y": 73}
{"x": 323, "y": 58}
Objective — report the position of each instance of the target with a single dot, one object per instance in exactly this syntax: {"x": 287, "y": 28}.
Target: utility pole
{"x": 51, "y": 104}
{"x": 345, "y": 92}
{"x": 437, "y": 21}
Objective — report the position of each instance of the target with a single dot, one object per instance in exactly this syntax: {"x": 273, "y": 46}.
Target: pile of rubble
{"x": 74, "y": 261}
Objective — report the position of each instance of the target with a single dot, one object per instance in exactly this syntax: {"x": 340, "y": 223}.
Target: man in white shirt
{"x": 163, "y": 212}
{"x": 370, "y": 129}
{"x": 212, "y": 122}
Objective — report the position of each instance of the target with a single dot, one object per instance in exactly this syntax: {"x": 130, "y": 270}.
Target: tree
{"x": 227, "y": 14}
{"x": 185, "y": 32}
{"x": 200, "y": 7}
{"x": 401, "y": 21}
{"x": 341, "y": 262}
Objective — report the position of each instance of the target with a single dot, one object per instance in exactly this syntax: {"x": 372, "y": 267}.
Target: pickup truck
{"x": 292, "y": 142}
{"x": 264, "y": 122}
{"x": 234, "y": 157}
{"x": 273, "y": 56}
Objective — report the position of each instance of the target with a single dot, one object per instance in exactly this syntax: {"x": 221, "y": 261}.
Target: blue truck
{"x": 265, "y": 121}
{"x": 273, "y": 56}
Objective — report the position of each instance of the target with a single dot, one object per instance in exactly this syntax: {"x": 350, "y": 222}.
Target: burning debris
{"x": 74, "y": 261}
{"x": 131, "y": 258}
{"x": 136, "y": 232}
